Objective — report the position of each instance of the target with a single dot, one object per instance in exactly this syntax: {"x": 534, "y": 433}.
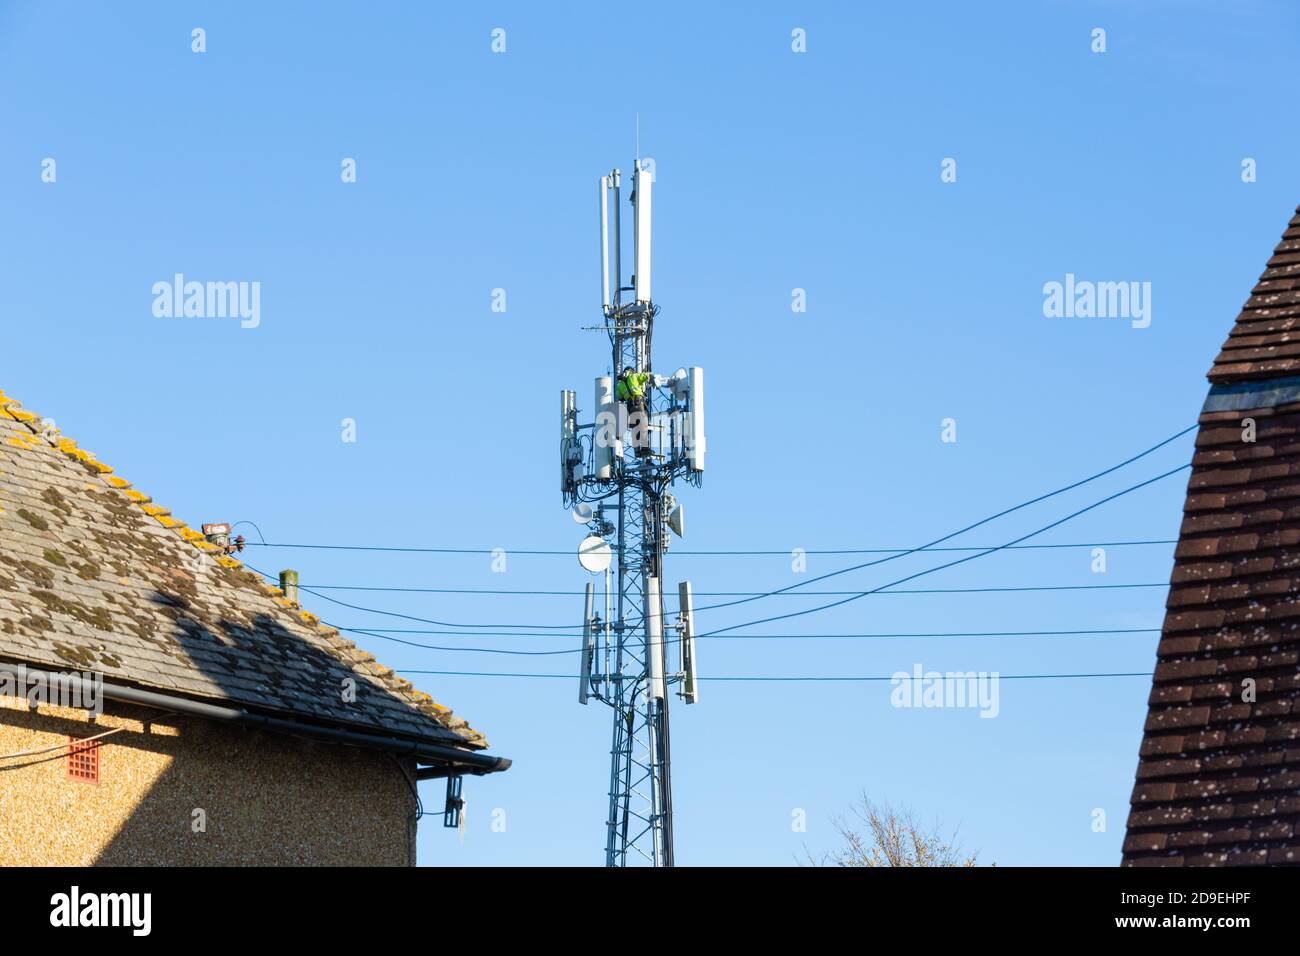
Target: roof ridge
{"x": 1264, "y": 341}
{"x": 349, "y": 653}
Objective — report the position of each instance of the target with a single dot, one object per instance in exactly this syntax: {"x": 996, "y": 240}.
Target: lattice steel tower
{"x": 647, "y": 432}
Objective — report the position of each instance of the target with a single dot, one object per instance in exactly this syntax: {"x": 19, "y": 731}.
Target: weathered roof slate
{"x": 95, "y": 576}
{"x": 1218, "y": 778}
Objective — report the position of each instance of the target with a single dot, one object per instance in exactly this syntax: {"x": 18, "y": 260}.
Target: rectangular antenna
{"x": 695, "y": 441}
{"x": 654, "y": 637}
{"x": 686, "y": 607}
{"x": 616, "y": 178}
{"x": 603, "y": 185}
{"x": 569, "y": 473}
{"x": 588, "y": 645}
{"x": 642, "y": 230}
{"x": 606, "y": 431}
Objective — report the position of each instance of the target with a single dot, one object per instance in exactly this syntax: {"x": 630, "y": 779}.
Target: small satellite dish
{"x": 582, "y": 513}
{"x": 594, "y": 554}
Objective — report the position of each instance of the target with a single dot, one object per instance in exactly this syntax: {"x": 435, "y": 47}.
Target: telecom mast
{"x": 615, "y": 473}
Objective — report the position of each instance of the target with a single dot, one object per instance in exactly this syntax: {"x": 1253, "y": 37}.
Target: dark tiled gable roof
{"x": 95, "y": 576}
{"x": 1264, "y": 343}
{"x": 1218, "y": 779}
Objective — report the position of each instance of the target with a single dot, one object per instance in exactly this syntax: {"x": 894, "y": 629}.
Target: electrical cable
{"x": 971, "y": 557}
{"x": 733, "y": 553}
{"x": 760, "y": 596}
{"x": 377, "y": 631}
{"x": 969, "y": 527}
{"x": 411, "y": 617}
{"x": 79, "y": 741}
{"x": 499, "y": 591}
{"x": 62, "y": 746}
{"x": 725, "y": 553}
{"x": 255, "y": 528}
{"x": 468, "y": 650}
{"x": 570, "y": 630}
{"x": 787, "y": 678}
{"x": 734, "y": 637}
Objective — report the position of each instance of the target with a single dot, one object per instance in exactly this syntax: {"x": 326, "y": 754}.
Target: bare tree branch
{"x": 882, "y": 835}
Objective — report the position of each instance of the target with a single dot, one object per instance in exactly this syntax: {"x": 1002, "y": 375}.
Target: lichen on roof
{"x": 95, "y": 574}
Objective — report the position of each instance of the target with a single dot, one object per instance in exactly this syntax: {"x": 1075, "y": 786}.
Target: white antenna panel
{"x": 588, "y": 646}
{"x": 695, "y": 444}
{"x": 642, "y": 229}
{"x": 686, "y": 604}
{"x": 602, "y": 183}
{"x": 568, "y": 438}
{"x": 606, "y": 428}
{"x": 654, "y": 637}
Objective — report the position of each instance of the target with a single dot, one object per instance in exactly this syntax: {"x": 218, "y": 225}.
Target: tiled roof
{"x": 1218, "y": 779}
{"x": 1265, "y": 343}
{"x": 95, "y": 576}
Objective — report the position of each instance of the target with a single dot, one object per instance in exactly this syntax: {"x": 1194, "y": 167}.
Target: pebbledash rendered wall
{"x": 266, "y": 799}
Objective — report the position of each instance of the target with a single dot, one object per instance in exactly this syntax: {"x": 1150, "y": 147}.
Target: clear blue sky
{"x": 775, "y": 171}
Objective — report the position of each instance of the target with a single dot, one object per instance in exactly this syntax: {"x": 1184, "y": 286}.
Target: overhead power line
{"x": 971, "y": 557}
{"x": 466, "y": 650}
{"x": 852, "y": 597}
{"x": 568, "y": 630}
{"x": 788, "y": 678}
{"x": 379, "y": 631}
{"x": 428, "y": 620}
{"x": 387, "y": 636}
{"x": 970, "y": 527}
{"x": 503, "y": 591}
{"x": 744, "y": 552}
{"x": 571, "y": 631}
{"x": 412, "y": 617}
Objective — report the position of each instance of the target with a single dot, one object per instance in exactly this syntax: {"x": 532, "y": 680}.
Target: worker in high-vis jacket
{"x": 631, "y": 390}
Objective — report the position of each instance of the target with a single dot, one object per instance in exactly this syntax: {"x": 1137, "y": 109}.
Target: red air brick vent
{"x": 83, "y": 760}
